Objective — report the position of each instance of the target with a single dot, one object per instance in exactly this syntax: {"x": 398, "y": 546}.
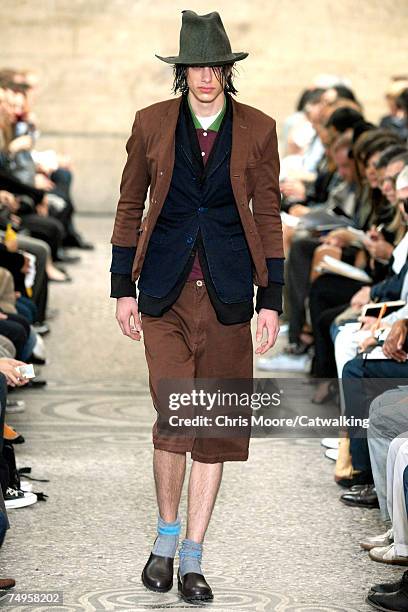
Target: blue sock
{"x": 167, "y": 539}
{"x": 190, "y": 557}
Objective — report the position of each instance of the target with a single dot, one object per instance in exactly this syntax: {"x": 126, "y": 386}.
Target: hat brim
{"x": 229, "y": 59}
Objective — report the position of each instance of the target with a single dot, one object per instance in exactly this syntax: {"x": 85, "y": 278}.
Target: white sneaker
{"x": 290, "y": 363}
{"x": 39, "y": 350}
{"x": 26, "y": 486}
{"x": 14, "y": 498}
{"x": 387, "y": 554}
{"x": 384, "y": 539}
{"x": 332, "y": 453}
{"x": 330, "y": 442}
{"x": 14, "y": 406}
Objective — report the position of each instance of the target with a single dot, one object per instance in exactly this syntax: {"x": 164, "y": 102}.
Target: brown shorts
{"x": 189, "y": 342}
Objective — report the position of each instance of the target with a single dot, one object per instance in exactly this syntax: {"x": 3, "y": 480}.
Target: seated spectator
{"x": 362, "y": 381}
{"x": 395, "y": 119}
{"x": 330, "y": 295}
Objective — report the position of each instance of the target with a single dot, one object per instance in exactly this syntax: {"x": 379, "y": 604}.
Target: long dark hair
{"x": 225, "y": 75}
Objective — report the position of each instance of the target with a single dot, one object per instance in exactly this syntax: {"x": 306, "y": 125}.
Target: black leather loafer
{"x": 390, "y": 587}
{"x": 386, "y": 587}
{"x": 397, "y": 602}
{"x": 366, "y": 498}
{"x": 194, "y": 588}
{"x": 157, "y": 574}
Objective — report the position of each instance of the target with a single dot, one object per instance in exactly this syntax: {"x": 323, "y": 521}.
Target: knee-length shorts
{"x": 188, "y": 342}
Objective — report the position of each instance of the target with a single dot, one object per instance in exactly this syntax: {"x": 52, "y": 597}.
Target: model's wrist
{"x": 268, "y": 310}
{"x": 127, "y": 297}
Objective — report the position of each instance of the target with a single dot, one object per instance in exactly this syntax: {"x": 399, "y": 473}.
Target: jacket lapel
{"x": 168, "y": 124}
{"x": 240, "y": 141}
{"x": 187, "y": 141}
{"x": 222, "y": 145}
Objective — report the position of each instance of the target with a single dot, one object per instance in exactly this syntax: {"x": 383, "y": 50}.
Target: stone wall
{"x": 95, "y": 59}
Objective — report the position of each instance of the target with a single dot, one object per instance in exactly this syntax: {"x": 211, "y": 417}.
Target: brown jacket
{"x": 254, "y": 171}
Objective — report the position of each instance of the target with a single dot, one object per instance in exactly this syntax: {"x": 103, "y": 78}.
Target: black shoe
{"x": 157, "y": 574}
{"x": 86, "y": 246}
{"x": 390, "y": 587}
{"x": 366, "y": 498}
{"x": 395, "y": 602}
{"x": 76, "y": 241}
{"x": 35, "y": 383}
{"x": 193, "y": 587}
{"x": 65, "y": 258}
{"x": 355, "y": 488}
{"x": 36, "y": 360}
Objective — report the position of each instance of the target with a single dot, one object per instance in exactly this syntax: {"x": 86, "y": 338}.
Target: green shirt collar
{"x": 215, "y": 126}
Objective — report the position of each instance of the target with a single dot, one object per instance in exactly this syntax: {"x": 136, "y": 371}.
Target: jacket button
{"x": 189, "y": 239}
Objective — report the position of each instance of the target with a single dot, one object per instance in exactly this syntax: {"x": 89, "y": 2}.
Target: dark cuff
{"x": 275, "y": 269}
{"x": 122, "y": 259}
{"x": 375, "y": 291}
{"x": 122, "y": 286}
{"x": 269, "y": 297}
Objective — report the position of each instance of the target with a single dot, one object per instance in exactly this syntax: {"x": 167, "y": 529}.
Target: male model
{"x": 197, "y": 254}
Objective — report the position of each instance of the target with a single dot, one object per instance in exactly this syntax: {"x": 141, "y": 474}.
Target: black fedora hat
{"x": 203, "y": 42}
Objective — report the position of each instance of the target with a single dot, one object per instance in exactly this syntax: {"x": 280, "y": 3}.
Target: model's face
{"x": 203, "y": 83}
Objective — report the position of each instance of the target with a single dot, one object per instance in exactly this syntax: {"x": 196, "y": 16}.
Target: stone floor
{"x": 279, "y": 538}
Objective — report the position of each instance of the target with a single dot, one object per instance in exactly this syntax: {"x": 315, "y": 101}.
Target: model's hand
{"x": 268, "y": 319}
{"x": 126, "y": 308}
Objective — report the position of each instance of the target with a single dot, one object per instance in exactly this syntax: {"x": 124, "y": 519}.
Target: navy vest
{"x": 194, "y": 205}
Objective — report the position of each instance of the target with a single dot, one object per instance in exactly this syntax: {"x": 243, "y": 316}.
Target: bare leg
{"x": 169, "y": 471}
{"x": 203, "y": 486}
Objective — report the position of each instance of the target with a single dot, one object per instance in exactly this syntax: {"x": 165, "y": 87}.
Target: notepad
{"x": 373, "y": 309}
{"x": 336, "y": 266}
